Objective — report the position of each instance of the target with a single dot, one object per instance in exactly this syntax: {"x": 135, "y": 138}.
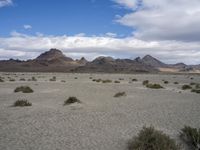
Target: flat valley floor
{"x": 101, "y": 121}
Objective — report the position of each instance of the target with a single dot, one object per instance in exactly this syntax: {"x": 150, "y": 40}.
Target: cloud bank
{"x": 5, "y": 3}
{"x": 163, "y": 19}
{"x": 25, "y": 46}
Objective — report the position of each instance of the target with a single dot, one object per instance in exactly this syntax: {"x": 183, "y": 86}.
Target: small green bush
{"x": 196, "y": 91}
{"x": 53, "y": 79}
{"x": 119, "y": 94}
{"x": 121, "y": 79}
{"x": 192, "y": 83}
{"x": 22, "y": 103}
{"x": 191, "y": 136}
{"x": 117, "y": 81}
{"x": 186, "y": 87}
{"x": 145, "y": 82}
{"x": 33, "y": 79}
{"x": 12, "y": 80}
{"x": 150, "y": 139}
{"x": 176, "y": 83}
{"x": 106, "y": 81}
{"x": 75, "y": 77}
{"x": 22, "y": 79}
{"x": 154, "y": 86}
{"x": 134, "y": 80}
{"x": 97, "y": 80}
{"x": 23, "y": 89}
{"x": 63, "y": 81}
{"x": 166, "y": 82}
{"x": 71, "y": 100}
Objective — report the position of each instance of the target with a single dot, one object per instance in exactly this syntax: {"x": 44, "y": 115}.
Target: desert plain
{"x": 101, "y": 121}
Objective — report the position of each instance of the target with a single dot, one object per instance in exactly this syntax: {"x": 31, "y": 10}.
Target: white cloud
{"x": 27, "y": 26}
{"x": 5, "y": 3}
{"x": 126, "y": 3}
{"x": 164, "y": 19}
{"x": 110, "y": 34}
{"x": 30, "y": 46}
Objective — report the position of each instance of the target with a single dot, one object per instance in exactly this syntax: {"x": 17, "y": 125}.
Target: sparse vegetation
{"x": 120, "y": 94}
{"x": 63, "y": 81}
{"x": 150, "y": 139}
{"x": 154, "y": 86}
{"x": 97, "y": 80}
{"x": 134, "y": 80}
{"x": 75, "y": 77}
{"x": 166, "y": 82}
{"x": 33, "y": 79}
{"x": 117, "y": 81}
{"x": 53, "y": 78}
{"x": 22, "y": 103}
{"x": 71, "y": 100}
{"x": 106, "y": 81}
{"x": 22, "y": 79}
{"x": 12, "y": 80}
{"x": 1, "y": 80}
{"x": 23, "y": 89}
{"x": 145, "y": 82}
{"x": 196, "y": 91}
{"x": 176, "y": 83}
{"x": 186, "y": 87}
{"x": 191, "y": 136}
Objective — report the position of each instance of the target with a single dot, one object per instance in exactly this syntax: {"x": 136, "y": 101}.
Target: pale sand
{"x": 101, "y": 122}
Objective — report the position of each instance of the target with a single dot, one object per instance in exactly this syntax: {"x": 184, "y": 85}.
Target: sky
{"x": 168, "y": 29}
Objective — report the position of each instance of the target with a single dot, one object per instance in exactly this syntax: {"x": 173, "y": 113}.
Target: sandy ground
{"x": 100, "y": 122}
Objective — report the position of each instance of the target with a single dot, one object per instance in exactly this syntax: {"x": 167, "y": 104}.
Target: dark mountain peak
{"x": 148, "y": 57}
{"x": 138, "y": 59}
{"x": 82, "y": 60}
{"x": 53, "y": 54}
{"x": 149, "y": 60}
{"x": 103, "y": 60}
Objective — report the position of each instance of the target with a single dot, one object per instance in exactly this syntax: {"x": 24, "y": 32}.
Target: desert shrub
{"x": 75, "y": 77}
{"x": 121, "y": 79}
{"x": 154, "y": 86}
{"x": 90, "y": 77}
{"x": 195, "y": 90}
{"x": 134, "y": 80}
{"x": 145, "y": 82}
{"x": 22, "y": 79}
{"x": 166, "y": 82}
{"x": 63, "y": 81}
{"x": 117, "y": 81}
{"x": 176, "y": 83}
{"x": 119, "y": 94}
{"x": 186, "y": 87}
{"x": 22, "y": 103}
{"x": 97, "y": 80}
{"x": 33, "y": 79}
{"x": 1, "y": 80}
{"x": 192, "y": 78}
{"x": 12, "y": 80}
{"x": 23, "y": 89}
{"x": 150, "y": 139}
{"x": 191, "y": 136}
{"x": 192, "y": 83}
{"x": 71, "y": 100}
{"x": 106, "y": 81}
{"x": 53, "y": 79}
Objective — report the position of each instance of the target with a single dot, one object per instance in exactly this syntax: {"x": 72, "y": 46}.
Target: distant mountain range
{"x": 55, "y": 61}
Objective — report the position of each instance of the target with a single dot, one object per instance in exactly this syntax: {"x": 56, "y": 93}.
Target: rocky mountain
{"x": 149, "y": 60}
{"x": 55, "y": 61}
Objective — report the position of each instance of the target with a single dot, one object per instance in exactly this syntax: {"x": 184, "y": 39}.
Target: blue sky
{"x": 92, "y": 17}
{"x": 168, "y": 30}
